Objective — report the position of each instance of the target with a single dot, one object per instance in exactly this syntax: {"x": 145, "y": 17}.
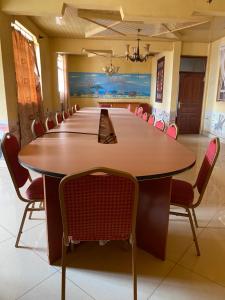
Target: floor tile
{"x": 182, "y": 284}
{"x": 20, "y": 270}
{"x": 4, "y": 235}
{"x": 210, "y": 263}
{"x": 50, "y": 289}
{"x": 105, "y": 272}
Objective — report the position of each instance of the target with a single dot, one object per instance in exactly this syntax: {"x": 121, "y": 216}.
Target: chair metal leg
{"x": 193, "y": 231}
{"x": 134, "y": 272}
{"x": 63, "y": 287}
{"x": 21, "y": 225}
{"x": 30, "y": 214}
{"x": 194, "y": 216}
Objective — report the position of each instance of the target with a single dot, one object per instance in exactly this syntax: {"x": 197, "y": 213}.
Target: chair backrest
{"x": 145, "y": 116}
{"x": 99, "y": 204}
{"x": 10, "y": 149}
{"x": 65, "y": 115}
{"x": 140, "y": 112}
{"x": 136, "y": 111}
{"x": 77, "y": 107}
{"x": 58, "y": 118}
{"x": 160, "y": 125}
{"x": 151, "y": 120}
{"x": 37, "y": 128}
{"x": 49, "y": 124}
{"x": 207, "y": 166}
{"x": 172, "y": 131}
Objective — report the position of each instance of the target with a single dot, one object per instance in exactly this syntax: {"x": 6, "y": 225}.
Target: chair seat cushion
{"x": 35, "y": 189}
{"x": 182, "y": 193}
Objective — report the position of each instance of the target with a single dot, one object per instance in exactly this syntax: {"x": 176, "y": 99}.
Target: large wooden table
{"x": 145, "y": 152}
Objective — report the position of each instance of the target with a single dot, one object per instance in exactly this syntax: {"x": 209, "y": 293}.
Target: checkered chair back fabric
{"x": 59, "y": 118}
{"x": 208, "y": 164}
{"x": 10, "y": 150}
{"x": 37, "y": 128}
{"x": 160, "y": 125}
{"x": 151, "y": 120}
{"x": 145, "y": 116}
{"x": 140, "y": 112}
{"x": 172, "y": 131}
{"x": 50, "y": 124}
{"x": 97, "y": 207}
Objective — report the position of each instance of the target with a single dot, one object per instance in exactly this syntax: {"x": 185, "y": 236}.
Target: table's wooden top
{"x": 142, "y": 150}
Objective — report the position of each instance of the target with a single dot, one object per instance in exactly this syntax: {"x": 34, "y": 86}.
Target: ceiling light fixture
{"x": 111, "y": 69}
{"x": 136, "y": 56}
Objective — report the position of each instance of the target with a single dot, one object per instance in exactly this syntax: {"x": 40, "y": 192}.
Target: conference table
{"x": 140, "y": 149}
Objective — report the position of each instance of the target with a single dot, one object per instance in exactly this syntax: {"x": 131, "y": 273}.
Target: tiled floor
{"x": 103, "y": 273}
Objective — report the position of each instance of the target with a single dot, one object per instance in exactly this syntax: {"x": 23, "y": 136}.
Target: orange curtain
{"x": 28, "y": 85}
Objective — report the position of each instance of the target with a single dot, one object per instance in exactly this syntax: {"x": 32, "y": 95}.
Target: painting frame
{"x": 102, "y": 86}
{"x": 221, "y": 79}
{"x": 160, "y": 79}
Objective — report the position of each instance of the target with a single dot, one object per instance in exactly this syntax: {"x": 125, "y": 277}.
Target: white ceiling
{"x": 97, "y": 24}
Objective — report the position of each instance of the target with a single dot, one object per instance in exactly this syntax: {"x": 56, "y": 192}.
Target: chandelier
{"x": 136, "y": 56}
{"x": 110, "y": 69}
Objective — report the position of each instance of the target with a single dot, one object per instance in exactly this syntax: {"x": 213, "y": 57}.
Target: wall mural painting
{"x": 221, "y": 83}
{"x": 100, "y": 85}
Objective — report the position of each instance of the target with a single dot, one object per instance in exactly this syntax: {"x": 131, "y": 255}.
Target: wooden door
{"x": 190, "y": 102}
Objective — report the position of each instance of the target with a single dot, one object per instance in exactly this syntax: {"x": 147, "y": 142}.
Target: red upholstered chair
{"x": 70, "y": 112}
{"x": 58, "y": 118}
{"x": 172, "y": 131}
{"x": 49, "y": 124}
{"x": 77, "y": 107}
{"x": 145, "y": 116}
{"x": 99, "y": 204}
{"x": 140, "y": 112}
{"x": 136, "y": 111}
{"x": 73, "y": 109}
{"x": 151, "y": 120}
{"x": 35, "y": 191}
{"x": 37, "y": 128}
{"x": 65, "y": 115}
{"x": 182, "y": 194}
{"x": 160, "y": 125}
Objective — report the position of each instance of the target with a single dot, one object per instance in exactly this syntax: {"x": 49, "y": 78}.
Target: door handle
{"x": 179, "y": 105}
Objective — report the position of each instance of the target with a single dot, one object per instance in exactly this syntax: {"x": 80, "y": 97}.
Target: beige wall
{"x": 167, "y": 109}
{"x": 78, "y": 63}
{"x": 214, "y": 115}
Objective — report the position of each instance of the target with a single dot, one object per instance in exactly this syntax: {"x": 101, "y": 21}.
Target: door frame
{"x": 205, "y": 57}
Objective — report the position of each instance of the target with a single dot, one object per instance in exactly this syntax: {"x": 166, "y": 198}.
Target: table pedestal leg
{"x": 153, "y": 216}
{"x": 53, "y": 218}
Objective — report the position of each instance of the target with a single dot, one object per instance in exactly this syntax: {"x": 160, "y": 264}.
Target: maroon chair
{"x": 77, "y": 107}
{"x": 73, "y": 109}
{"x": 172, "y": 131}
{"x": 136, "y": 111}
{"x": 151, "y": 120}
{"x": 65, "y": 115}
{"x": 70, "y": 112}
{"x": 37, "y": 128}
{"x": 19, "y": 175}
{"x": 140, "y": 112}
{"x": 145, "y": 116}
{"x": 58, "y": 118}
{"x": 98, "y": 207}
{"x": 160, "y": 125}
{"x": 182, "y": 194}
{"x": 49, "y": 124}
